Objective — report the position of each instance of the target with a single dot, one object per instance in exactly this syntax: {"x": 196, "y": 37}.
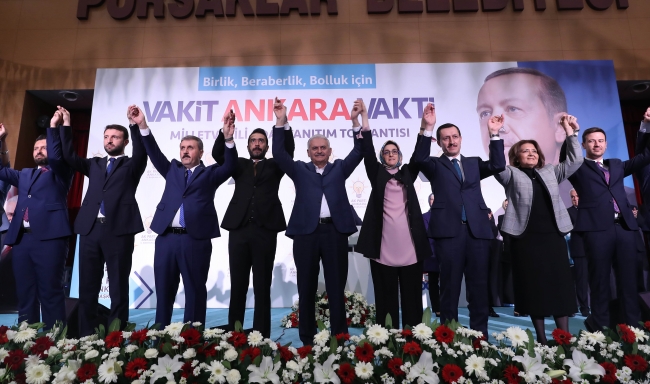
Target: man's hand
{"x": 135, "y": 116}
{"x": 228, "y": 125}
{"x": 56, "y": 120}
{"x": 428, "y": 117}
{"x": 570, "y": 124}
{"x": 3, "y": 132}
{"x": 495, "y": 124}
{"x": 646, "y": 116}
{"x": 280, "y": 112}
{"x": 65, "y": 114}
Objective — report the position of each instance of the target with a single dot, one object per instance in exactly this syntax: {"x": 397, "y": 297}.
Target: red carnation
{"x": 133, "y": 367}
{"x": 237, "y": 339}
{"x": 364, "y": 353}
{"x": 191, "y": 336}
{"x": 187, "y": 370}
{"x": 349, "y": 321}
{"x": 285, "y": 353}
{"x": 394, "y": 365}
{"x": 114, "y": 339}
{"x": 342, "y": 337}
{"x": 3, "y": 334}
{"x": 412, "y": 348}
{"x": 476, "y": 343}
{"x": 253, "y": 352}
{"x": 558, "y": 381}
{"x": 208, "y": 350}
{"x": 86, "y": 372}
{"x": 444, "y": 334}
{"x": 562, "y": 337}
{"x": 304, "y": 351}
{"x": 15, "y": 359}
{"x": 41, "y": 345}
{"x": 626, "y": 333}
{"x": 636, "y": 363}
{"x": 407, "y": 333}
{"x": 139, "y": 336}
{"x": 511, "y": 374}
{"x": 346, "y": 373}
{"x": 610, "y": 372}
{"x": 20, "y": 378}
{"x": 451, "y": 373}
{"x": 646, "y": 325}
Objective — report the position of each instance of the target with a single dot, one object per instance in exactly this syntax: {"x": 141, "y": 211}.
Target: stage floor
{"x": 216, "y": 317}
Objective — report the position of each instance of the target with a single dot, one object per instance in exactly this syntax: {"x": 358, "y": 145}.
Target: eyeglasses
{"x": 394, "y": 152}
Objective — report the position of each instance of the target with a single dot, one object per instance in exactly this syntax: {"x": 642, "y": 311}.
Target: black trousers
{"x": 251, "y": 247}
{"x": 330, "y": 246}
{"x": 581, "y": 277}
{"x": 395, "y": 285}
{"x": 97, "y": 248}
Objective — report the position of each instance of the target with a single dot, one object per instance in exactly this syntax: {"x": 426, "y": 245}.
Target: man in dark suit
{"x": 608, "y": 226}
{"x": 40, "y": 237}
{"x": 320, "y": 224}
{"x": 253, "y": 218}
{"x": 459, "y": 222}
{"x": 580, "y": 263}
{"x": 108, "y": 220}
{"x": 494, "y": 271}
{"x": 642, "y": 255}
{"x": 186, "y": 219}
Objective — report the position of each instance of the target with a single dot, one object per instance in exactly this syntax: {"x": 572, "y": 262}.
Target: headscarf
{"x": 381, "y": 155}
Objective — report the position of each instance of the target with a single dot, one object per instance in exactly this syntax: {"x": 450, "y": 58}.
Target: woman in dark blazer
{"x": 537, "y": 220}
{"x": 393, "y": 234}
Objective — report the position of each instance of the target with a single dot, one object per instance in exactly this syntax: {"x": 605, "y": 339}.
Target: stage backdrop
{"x": 182, "y": 101}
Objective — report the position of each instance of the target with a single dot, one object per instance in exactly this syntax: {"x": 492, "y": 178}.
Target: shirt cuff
{"x": 356, "y": 129}
{"x": 495, "y": 138}
{"x": 427, "y": 133}
{"x": 286, "y": 126}
{"x": 645, "y": 127}
{"x": 230, "y": 144}
{"x": 145, "y": 132}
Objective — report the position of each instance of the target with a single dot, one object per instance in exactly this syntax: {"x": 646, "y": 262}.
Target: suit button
{"x": 29, "y": 196}
{"x": 183, "y": 196}
{"x": 104, "y": 190}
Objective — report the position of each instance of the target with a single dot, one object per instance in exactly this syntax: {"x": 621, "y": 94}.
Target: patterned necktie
{"x": 26, "y": 215}
{"x": 460, "y": 176}
{"x": 111, "y": 161}
{"x": 606, "y": 173}
{"x": 255, "y": 168}
{"x": 181, "y": 218}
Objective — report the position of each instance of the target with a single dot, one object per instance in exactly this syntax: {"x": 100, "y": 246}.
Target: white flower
{"x": 230, "y": 354}
{"x": 292, "y": 365}
{"x": 422, "y": 332}
{"x": 210, "y": 333}
{"x": 532, "y": 365}
{"x": 130, "y": 348}
{"x": 423, "y": 369}
{"x": 255, "y": 338}
{"x": 151, "y": 353}
{"x": 326, "y": 373}
{"x": 377, "y": 334}
{"x": 581, "y": 364}
{"x": 32, "y": 360}
{"x": 476, "y": 365}
{"x": 363, "y": 370}
{"x": 91, "y": 354}
{"x": 24, "y": 335}
{"x": 189, "y": 353}
{"x": 233, "y": 376}
{"x": 37, "y": 374}
{"x": 217, "y": 371}
{"x": 322, "y": 337}
{"x": 166, "y": 367}
{"x": 593, "y": 337}
{"x": 517, "y": 336}
{"x": 639, "y": 334}
{"x": 107, "y": 372}
{"x": 265, "y": 372}
{"x": 174, "y": 329}
{"x": 3, "y": 353}
{"x": 68, "y": 373}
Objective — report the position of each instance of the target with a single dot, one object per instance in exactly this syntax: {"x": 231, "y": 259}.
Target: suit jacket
{"x": 519, "y": 190}
{"x": 369, "y": 243}
{"x": 117, "y": 189}
{"x": 576, "y": 243}
{"x": 452, "y": 195}
{"x": 643, "y": 173}
{"x": 310, "y": 187}
{"x": 4, "y": 190}
{"x": 431, "y": 264}
{"x": 261, "y": 187}
{"x": 44, "y": 194}
{"x": 596, "y": 211}
{"x": 197, "y": 196}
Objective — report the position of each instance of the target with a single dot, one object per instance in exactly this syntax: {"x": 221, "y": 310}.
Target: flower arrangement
{"x": 427, "y": 353}
{"x": 359, "y": 313}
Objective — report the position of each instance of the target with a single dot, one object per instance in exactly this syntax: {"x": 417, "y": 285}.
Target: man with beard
{"x": 254, "y": 216}
{"x": 40, "y": 239}
{"x": 108, "y": 219}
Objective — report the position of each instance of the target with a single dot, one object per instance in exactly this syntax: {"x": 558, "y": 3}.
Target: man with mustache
{"x": 108, "y": 220}
{"x": 40, "y": 237}
{"x": 186, "y": 219}
{"x": 254, "y": 216}
{"x": 458, "y": 216}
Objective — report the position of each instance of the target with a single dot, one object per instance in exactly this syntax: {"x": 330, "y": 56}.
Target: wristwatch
{"x": 494, "y": 135}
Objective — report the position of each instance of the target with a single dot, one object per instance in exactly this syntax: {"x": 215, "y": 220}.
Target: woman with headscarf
{"x": 393, "y": 234}
{"x": 537, "y": 220}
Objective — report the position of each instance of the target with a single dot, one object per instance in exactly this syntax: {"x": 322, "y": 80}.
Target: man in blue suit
{"x": 320, "y": 224}
{"x": 185, "y": 219}
{"x": 608, "y": 226}
{"x": 458, "y": 217}
{"x": 40, "y": 228}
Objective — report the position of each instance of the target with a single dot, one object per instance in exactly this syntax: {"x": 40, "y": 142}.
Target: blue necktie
{"x": 111, "y": 161}
{"x": 181, "y": 219}
{"x": 460, "y": 176}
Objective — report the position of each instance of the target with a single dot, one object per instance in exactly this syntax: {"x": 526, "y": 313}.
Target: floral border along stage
{"x": 359, "y": 313}
{"x": 427, "y": 353}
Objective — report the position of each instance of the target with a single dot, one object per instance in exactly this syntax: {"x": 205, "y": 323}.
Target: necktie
{"x": 111, "y": 161}
{"x": 606, "y": 173}
{"x": 181, "y": 218}
{"x": 26, "y": 215}
{"x": 460, "y": 176}
{"x": 255, "y": 168}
